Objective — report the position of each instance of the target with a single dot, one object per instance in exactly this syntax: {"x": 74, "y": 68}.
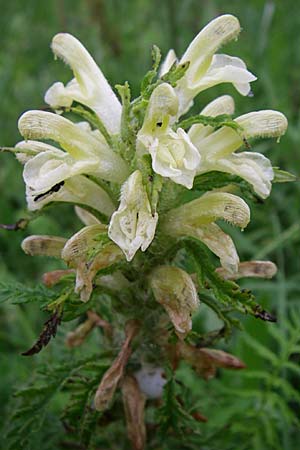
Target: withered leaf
{"x": 77, "y": 337}
{"x": 256, "y": 269}
{"x": 21, "y": 224}
{"x": 134, "y": 406}
{"x": 49, "y": 331}
{"x": 52, "y": 278}
{"x": 114, "y": 374}
{"x": 205, "y": 361}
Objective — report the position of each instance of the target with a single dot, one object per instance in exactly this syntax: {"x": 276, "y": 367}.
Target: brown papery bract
{"x": 134, "y": 406}
{"x": 114, "y": 374}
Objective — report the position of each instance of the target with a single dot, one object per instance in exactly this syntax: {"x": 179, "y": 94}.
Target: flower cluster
{"x": 108, "y": 153}
{"x": 147, "y": 184}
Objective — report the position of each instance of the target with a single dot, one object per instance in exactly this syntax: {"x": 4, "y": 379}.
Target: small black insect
{"x": 246, "y": 143}
{"x": 159, "y": 124}
{"x": 52, "y": 190}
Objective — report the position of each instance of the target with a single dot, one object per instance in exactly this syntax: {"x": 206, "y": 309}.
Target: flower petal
{"x": 78, "y": 190}
{"x": 221, "y": 105}
{"x": 133, "y": 225}
{"x": 199, "y": 54}
{"x": 86, "y": 217}
{"x": 167, "y": 63}
{"x": 255, "y": 168}
{"x": 89, "y": 87}
{"x": 39, "y": 245}
{"x": 257, "y": 269}
{"x": 84, "y": 252}
{"x": 226, "y": 69}
{"x": 196, "y": 219}
{"x": 46, "y": 170}
{"x": 223, "y": 142}
{"x": 88, "y": 150}
{"x": 218, "y": 242}
{"x": 173, "y": 154}
{"x": 174, "y": 289}
{"x": 208, "y": 208}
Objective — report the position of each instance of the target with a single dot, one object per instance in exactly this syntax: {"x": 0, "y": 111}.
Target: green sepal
{"x": 223, "y": 120}
{"x": 282, "y": 176}
{"x": 151, "y": 74}
{"x": 176, "y": 72}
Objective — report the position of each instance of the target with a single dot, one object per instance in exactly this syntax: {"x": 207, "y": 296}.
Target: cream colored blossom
{"x": 196, "y": 219}
{"x": 173, "y": 154}
{"x": 89, "y": 86}
{"x": 207, "y": 69}
{"x": 174, "y": 289}
{"x": 85, "y": 152}
{"x": 133, "y": 225}
{"x": 218, "y": 148}
{"x": 86, "y": 253}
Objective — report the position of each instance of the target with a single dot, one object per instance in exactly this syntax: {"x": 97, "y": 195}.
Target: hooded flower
{"x": 89, "y": 86}
{"x": 133, "y": 225}
{"x": 86, "y": 152}
{"x": 217, "y": 148}
{"x": 196, "y": 219}
{"x": 88, "y": 251}
{"x": 174, "y": 289}
{"x": 207, "y": 69}
{"x": 173, "y": 154}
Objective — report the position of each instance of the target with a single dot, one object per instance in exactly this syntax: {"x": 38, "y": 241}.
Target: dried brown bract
{"x": 134, "y": 406}
{"x": 114, "y": 374}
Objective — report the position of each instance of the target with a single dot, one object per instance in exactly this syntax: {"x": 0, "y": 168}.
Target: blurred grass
{"x": 119, "y": 35}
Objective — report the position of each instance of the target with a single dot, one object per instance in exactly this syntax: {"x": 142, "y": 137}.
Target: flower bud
{"x": 43, "y": 245}
{"x": 174, "y": 289}
{"x": 256, "y": 269}
{"x": 88, "y": 251}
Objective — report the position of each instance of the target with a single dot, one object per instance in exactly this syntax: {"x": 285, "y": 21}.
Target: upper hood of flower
{"x": 89, "y": 86}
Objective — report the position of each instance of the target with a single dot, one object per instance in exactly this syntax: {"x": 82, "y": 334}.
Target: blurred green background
{"x": 119, "y": 34}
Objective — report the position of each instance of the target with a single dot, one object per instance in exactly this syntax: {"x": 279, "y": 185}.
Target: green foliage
{"x": 282, "y": 176}
{"x": 257, "y": 408}
{"x": 216, "y": 180}
{"x": 17, "y": 293}
{"x": 225, "y": 292}
{"x": 223, "y": 120}
{"x": 32, "y": 410}
{"x": 151, "y": 74}
{"x": 171, "y": 416}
